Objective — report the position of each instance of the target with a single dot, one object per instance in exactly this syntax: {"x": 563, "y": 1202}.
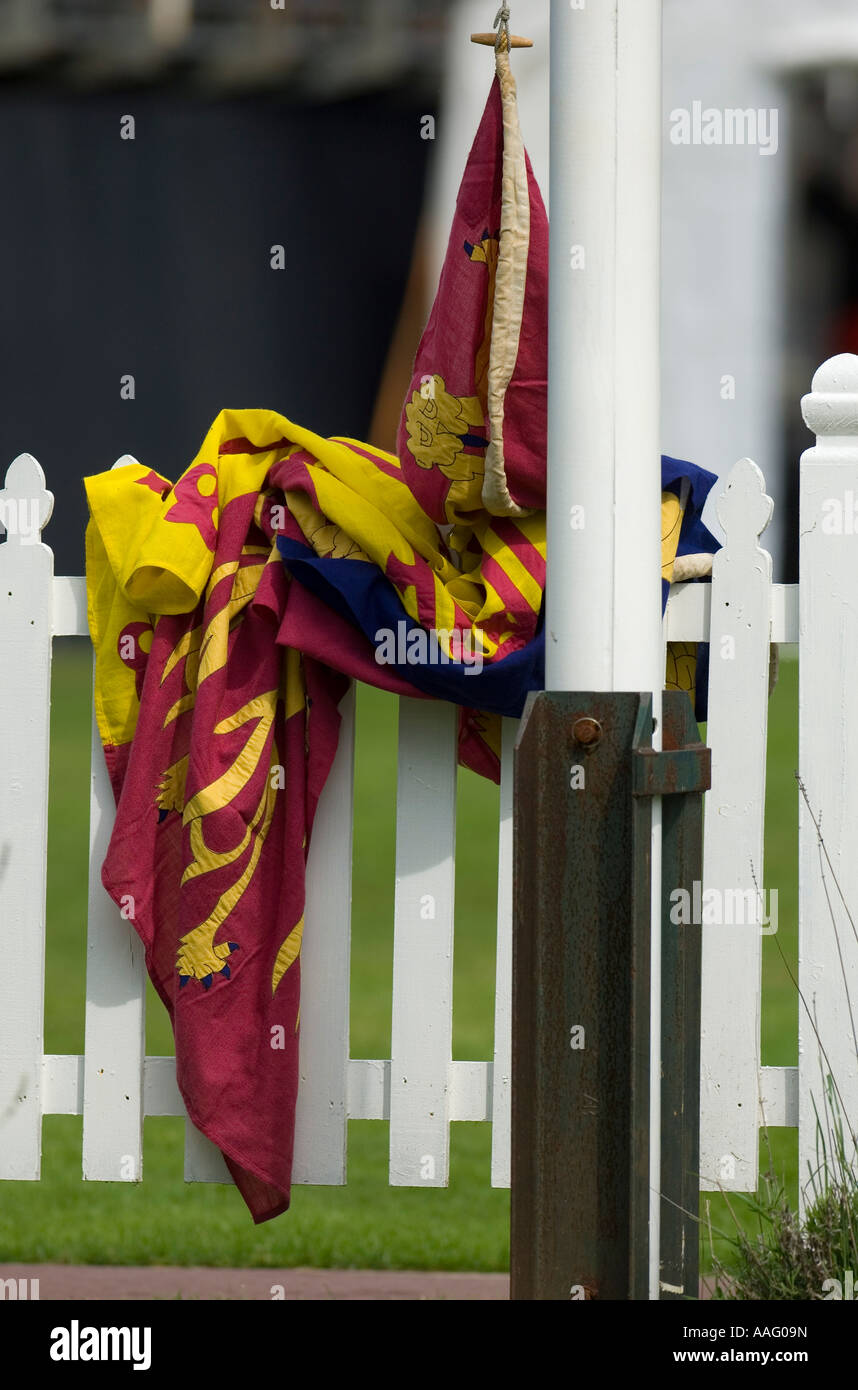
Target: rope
{"x": 502, "y": 25}
{"x": 510, "y": 276}
{"x": 691, "y": 567}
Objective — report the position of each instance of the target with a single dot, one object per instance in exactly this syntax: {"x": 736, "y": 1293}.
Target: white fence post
{"x": 739, "y": 637}
{"x": 26, "y": 584}
{"x": 828, "y": 766}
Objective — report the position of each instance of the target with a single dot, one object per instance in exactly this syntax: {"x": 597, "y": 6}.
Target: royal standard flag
{"x": 228, "y": 612}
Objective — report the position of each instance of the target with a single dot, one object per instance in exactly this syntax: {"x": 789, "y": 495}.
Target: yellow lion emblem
{"x": 439, "y": 426}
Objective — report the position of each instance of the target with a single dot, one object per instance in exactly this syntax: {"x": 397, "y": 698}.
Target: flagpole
{"x": 603, "y": 600}
{"x": 604, "y": 636}
{"x": 604, "y": 470}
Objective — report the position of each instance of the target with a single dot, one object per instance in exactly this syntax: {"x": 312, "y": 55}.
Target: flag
{"x": 206, "y": 724}
{"x": 230, "y": 610}
{"x": 217, "y": 684}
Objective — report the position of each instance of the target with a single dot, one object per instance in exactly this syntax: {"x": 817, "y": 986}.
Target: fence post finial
{"x": 25, "y": 503}
{"x": 831, "y": 407}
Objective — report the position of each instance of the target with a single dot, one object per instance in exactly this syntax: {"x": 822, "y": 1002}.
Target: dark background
{"x": 152, "y": 256}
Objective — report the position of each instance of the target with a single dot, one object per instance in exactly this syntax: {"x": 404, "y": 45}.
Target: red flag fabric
{"x": 475, "y": 416}
{"x": 206, "y": 723}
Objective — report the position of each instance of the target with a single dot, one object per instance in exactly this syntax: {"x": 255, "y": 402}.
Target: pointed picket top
{"x": 25, "y": 503}
{"x": 831, "y": 407}
{"x": 744, "y": 507}
{"x": 733, "y": 831}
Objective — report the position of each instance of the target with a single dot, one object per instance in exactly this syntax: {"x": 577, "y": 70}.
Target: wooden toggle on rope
{"x": 502, "y": 41}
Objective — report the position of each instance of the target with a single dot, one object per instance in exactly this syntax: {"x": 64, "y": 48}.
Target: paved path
{"x": 96, "y": 1282}
{"x": 159, "y": 1281}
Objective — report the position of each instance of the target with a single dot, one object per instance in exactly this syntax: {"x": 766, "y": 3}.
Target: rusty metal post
{"x": 682, "y": 865}
{"x": 585, "y": 777}
{"x": 580, "y": 1003}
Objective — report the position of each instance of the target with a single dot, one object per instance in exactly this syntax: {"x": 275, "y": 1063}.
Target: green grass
{"x": 366, "y": 1224}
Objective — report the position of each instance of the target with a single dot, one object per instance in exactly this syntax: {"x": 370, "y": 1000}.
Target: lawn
{"x": 366, "y": 1223}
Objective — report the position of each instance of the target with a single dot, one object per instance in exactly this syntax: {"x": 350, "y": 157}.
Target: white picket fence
{"x": 420, "y": 1089}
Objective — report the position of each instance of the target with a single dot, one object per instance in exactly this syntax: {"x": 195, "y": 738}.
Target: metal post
{"x": 580, "y": 1000}
{"x": 603, "y": 635}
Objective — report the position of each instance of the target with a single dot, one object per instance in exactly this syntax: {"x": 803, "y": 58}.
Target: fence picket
{"x": 115, "y": 1011}
{"x": 421, "y": 1035}
{"x": 26, "y": 583}
{"x": 204, "y": 1161}
{"x": 733, "y": 837}
{"x": 502, "y": 1067}
{"x": 322, "y": 1111}
{"x": 115, "y": 1004}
